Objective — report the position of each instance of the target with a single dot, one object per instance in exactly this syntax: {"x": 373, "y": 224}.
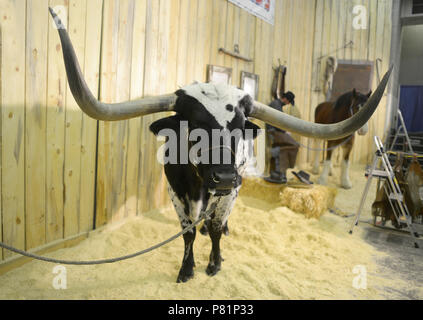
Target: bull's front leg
{"x": 187, "y": 269}
{"x": 214, "y": 227}
{"x": 183, "y": 209}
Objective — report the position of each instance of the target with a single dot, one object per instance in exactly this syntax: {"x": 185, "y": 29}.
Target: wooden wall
{"x": 63, "y": 173}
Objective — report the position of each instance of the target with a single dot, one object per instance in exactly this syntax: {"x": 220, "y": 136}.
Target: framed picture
{"x": 249, "y": 83}
{"x": 218, "y": 74}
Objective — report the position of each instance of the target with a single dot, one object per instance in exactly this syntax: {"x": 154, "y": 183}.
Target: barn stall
{"x": 97, "y": 189}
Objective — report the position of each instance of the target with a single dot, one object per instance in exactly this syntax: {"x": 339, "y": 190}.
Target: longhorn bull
{"x": 196, "y": 188}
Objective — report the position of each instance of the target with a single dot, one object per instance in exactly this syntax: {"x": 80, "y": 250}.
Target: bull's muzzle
{"x": 223, "y": 179}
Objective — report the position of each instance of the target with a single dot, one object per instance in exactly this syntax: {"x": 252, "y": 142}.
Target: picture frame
{"x": 219, "y": 74}
{"x": 250, "y": 83}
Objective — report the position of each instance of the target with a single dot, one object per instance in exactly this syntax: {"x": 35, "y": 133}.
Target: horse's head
{"x": 358, "y": 101}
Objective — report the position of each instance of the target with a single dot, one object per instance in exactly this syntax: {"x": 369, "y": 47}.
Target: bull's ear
{"x": 252, "y": 128}
{"x": 172, "y": 123}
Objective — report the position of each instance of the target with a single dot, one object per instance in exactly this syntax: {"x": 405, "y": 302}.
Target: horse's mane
{"x": 343, "y": 100}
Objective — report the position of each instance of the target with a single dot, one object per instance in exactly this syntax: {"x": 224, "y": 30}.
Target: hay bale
{"x": 312, "y": 202}
{"x": 260, "y": 189}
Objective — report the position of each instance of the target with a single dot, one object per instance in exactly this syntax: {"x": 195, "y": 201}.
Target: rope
{"x": 103, "y": 261}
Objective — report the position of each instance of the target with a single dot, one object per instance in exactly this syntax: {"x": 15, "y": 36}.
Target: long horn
{"x": 89, "y": 104}
{"x": 322, "y": 131}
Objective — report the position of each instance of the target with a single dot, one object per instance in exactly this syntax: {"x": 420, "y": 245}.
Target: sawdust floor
{"x": 271, "y": 253}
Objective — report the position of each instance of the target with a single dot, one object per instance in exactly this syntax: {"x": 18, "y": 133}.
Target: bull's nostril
{"x": 215, "y": 178}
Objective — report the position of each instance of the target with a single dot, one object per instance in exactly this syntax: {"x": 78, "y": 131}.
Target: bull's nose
{"x": 224, "y": 179}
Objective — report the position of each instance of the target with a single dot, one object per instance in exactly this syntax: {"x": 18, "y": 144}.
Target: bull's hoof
{"x": 204, "y": 231}
{"x": 346, "y": 185}
{"x": 185, "y": 276}
{"x": 212, "y": 269}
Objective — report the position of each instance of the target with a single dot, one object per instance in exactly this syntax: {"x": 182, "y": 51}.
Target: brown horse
{"x": 331, "y": 112}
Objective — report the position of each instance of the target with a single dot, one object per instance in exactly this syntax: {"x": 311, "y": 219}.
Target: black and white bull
{"x": 196, "y": 188}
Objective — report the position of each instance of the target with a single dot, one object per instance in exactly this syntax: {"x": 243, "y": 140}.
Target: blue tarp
{"x": 411, "y": 106}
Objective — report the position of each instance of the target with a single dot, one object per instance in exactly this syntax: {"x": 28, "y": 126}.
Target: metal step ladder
{"x": 392, "y": 190}
{"x": 404, "y": 133}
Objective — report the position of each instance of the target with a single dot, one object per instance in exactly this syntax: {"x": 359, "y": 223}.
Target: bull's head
{"x": 213, "y": 118}
{"x": 202, "y": 106}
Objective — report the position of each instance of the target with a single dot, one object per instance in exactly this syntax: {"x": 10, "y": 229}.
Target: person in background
{"x": 284, "y": 148}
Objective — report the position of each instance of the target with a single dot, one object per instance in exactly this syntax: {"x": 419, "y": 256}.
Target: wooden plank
{"x": 13, "y": 120}
{"x": 349, "y": 29}
{"x": 258, "y": 61}
{"x": 387, "y": 32}
{"x": 72, "y": 172}
{"x": 182, "y": 44}
{"x": 151, "y": 77}
{"x": 119, "y": 128}
{"x": 236, "y": 74}
{"x": 315, "y": 82}
{"x": 243, "y": 42}
{"x": 303, "y": 87}
{"x": 35, "y": 122}
{"x": 342, "y": 33}
{"x": 309, "y": 114}
{"x": 108, "y": 73}
{"x": 362, "y": 143}
{"x": 356, "y": 55}
{"x": 221, "y": 36}
{"x": 89, "y": 125}
{"x": 192, "y": 37}
{"x": 200, "y": 42}
{"x": 268, "y": 35}
{"x": 134, "y": 126}
{"x": 165, "y": 12}
{"x": 251, "y": 42}
{"x": 218, "y": 32}
{"x": 371, "y": 55}
{"x": 380, "y": 26}
{"x": 55, "y": 156}
{"x": 208, "y": 34}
